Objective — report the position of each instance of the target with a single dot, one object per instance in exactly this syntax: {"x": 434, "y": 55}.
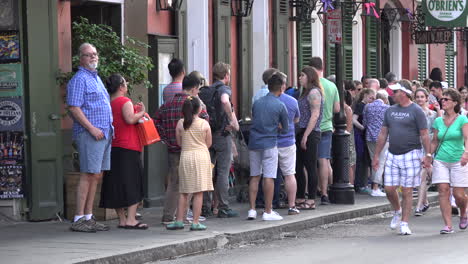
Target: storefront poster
{"x": 9, "y": 46}
{"x": 11, "y": 181}
{"x": 11, "y": 147}
{"x": 11, "y": 114}
{"x": 445, "y": 13}
{"x": 11, "y": 80}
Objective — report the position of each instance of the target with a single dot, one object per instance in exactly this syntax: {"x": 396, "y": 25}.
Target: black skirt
{"x": 122, "y": 185}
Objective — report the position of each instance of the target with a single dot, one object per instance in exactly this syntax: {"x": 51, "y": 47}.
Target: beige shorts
{"x": 287, "y": 160}
{"x": 452, "y": 173}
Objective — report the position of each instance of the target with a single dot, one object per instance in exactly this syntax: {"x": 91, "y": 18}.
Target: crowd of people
{"x": 396, "y": 145}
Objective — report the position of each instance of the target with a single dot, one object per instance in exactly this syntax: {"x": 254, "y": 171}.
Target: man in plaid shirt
{"x": 166, "y": 119}
{"x": 89, "y": 105}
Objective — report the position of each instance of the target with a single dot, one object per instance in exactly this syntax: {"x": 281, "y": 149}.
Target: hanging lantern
{"x": 241, "y": 8}
{"x": 168, "y": 5}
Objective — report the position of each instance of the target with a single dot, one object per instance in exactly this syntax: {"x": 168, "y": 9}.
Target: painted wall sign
{"x": 11, "y": 80}
{"x": 433, "y": 36}
{"x": 11, "y": 114}
{"x": 446, "y": 13}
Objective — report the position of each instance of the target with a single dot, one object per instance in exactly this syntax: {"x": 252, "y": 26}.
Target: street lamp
{"x": 241, "y": 8}
{"x": 340, "y": 192}
{"x": 168, "y": 5}
{"x": 303, "y": 8}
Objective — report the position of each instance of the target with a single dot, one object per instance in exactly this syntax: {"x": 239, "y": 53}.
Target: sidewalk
{"x": 52, "y": 242}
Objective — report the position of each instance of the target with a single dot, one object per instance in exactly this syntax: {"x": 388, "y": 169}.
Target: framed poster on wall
{"x": 11, "y": 80}
{"x": 9, "y": 14}
{"x": 9, "y": 46}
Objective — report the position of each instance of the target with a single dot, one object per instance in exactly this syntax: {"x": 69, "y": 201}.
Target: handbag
{"x": 147, "y": 132}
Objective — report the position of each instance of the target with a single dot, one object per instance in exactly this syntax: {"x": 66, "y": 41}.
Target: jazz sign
{"x": 445, "y": 13}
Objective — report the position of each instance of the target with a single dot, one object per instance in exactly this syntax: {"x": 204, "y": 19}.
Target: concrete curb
{"x": 226, "y": 240}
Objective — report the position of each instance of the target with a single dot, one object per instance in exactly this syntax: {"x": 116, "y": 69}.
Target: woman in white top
{"x": 421, "y": 97}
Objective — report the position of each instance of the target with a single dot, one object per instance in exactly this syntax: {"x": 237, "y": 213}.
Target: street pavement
{"x": 52, "y": 242}
{"x": 360, "y": 241}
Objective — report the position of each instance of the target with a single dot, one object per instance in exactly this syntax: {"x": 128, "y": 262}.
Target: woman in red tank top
{"x": 122, "y": 187}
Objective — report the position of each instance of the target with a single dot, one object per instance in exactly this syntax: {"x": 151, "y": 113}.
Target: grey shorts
{"x": 264, "y": 161}
{"x": 94, "y": 155}
{"x": 287, "y": 160}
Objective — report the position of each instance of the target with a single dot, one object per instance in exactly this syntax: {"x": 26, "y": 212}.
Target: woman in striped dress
{"x": 193, "y": 134}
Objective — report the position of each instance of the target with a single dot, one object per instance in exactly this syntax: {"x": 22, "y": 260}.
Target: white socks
{"x": 87, "y": 217}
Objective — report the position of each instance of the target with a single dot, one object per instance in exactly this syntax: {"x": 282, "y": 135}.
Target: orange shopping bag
{"x": 147, "y": 131}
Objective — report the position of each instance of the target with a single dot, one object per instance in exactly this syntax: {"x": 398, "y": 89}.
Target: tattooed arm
{"x": 315, "y": 100}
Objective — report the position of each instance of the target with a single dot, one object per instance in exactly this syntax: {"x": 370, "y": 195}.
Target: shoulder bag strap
{"x": 443, "y": 137}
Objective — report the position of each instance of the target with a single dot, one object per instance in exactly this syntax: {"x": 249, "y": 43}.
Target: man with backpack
{"x": 223, "y": 120}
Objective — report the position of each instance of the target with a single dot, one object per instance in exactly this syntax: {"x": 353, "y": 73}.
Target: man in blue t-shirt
{"x": 287, "y": 149}
{"x": 269, "y": 115}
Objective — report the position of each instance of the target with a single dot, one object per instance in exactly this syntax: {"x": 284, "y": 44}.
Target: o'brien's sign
{"x": 447, "y": 13}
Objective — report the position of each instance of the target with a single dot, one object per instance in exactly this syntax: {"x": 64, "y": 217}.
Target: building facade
{"x": 38, "y": 34}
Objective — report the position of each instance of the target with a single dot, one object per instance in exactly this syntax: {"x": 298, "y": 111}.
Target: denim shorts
{"x": 324, "y": 147}
{"x": 94, "y": 155}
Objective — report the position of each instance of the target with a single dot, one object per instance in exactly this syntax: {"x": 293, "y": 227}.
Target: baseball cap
{"x": 397, "y": 86}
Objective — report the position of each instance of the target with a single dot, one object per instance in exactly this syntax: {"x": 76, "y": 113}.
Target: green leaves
{"x": 114, "y": 57}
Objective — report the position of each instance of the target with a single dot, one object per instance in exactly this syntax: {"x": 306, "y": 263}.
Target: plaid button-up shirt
{"x": 86, "y": 90}
{"x": 166, "y": 119}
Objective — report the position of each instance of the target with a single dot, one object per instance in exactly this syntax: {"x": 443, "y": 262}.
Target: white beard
{"x": 93, "y": 65}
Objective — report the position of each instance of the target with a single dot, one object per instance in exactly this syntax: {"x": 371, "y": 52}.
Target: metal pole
{"x": 341, "y": 192}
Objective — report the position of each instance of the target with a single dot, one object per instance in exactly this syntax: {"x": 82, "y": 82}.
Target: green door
{"x": 45, "y": 181}
{"x": 304, "y": 44}
{"x": 246, "y": 78}
{"x": 222, "y": 31}
{"x": 372, "y": 46}
{"x": 281, "y": 35}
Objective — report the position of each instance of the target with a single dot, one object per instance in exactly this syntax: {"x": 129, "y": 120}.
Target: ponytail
{"x": 189, "y": 109}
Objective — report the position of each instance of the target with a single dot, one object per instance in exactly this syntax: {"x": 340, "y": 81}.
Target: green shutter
{"x": 372, "y": 46}
{"x": 222, "y": 31}
{"x": 281, "y": 36}
{"x": 348, "y": 40}
{"x": 422, "y": 63}
{"x": 304, "y": 44}
{"x": 450, "y": 63}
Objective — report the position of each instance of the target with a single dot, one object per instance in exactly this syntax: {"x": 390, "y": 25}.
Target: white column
{"x": 396, "y": 51}
{"x": 317, "y": 36}
{"x": 261, "y": 44}
{"x": 197, "y": 37}
{"x": 358, "y": 64}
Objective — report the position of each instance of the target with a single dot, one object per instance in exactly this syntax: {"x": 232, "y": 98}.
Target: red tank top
{"x": 125, "y": 135}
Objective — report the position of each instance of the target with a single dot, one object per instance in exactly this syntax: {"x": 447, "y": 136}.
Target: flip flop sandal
{"x": 306, "y": 206}
{"x": 122, "y": 226}
{"x": 139, "y": 225}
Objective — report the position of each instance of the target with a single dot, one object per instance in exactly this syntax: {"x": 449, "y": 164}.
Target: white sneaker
{"x": 404, "y": 230}
{"x": 252, "y": 214}
{"x": 273, "y": 216}
{"x": 395, "y": 220}
{"x": 190, "y": 216}
{"x": 377, "y": 193}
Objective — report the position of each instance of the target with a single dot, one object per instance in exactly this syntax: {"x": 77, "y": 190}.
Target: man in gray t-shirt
{"x": 405, "y": 125}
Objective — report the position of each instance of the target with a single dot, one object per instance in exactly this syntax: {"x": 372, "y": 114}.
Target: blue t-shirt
{"x": 293, "y": 113}
{"x": 267, "y": 113}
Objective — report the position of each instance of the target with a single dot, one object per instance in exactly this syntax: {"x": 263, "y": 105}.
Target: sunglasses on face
{"x": 445, "y": 99}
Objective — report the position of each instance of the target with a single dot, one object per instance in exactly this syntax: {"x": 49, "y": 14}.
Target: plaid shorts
{"x": 403, "y": 170}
